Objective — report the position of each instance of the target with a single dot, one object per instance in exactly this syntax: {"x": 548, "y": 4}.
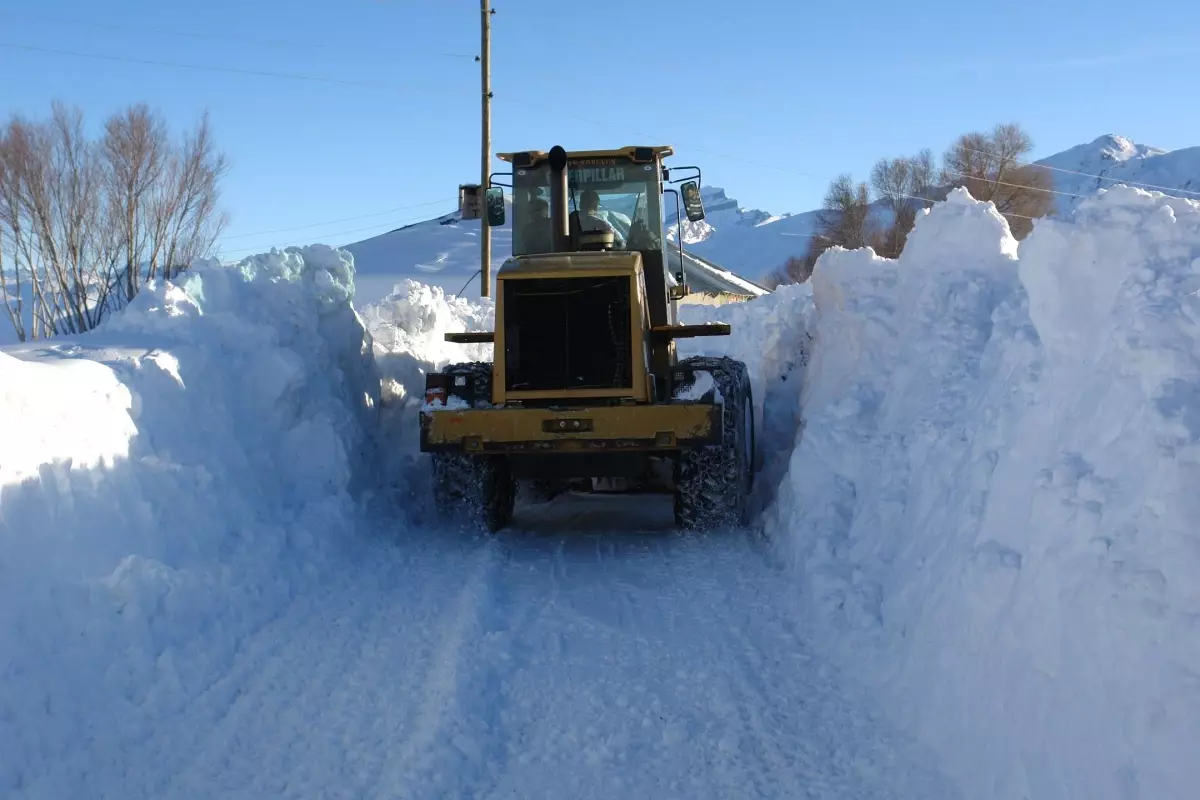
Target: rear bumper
{"x": 650, "y": 428}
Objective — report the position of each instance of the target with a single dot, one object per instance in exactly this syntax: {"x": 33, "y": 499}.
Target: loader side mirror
{"x": 692, "y": 203}
{"x": 494, "y": 199}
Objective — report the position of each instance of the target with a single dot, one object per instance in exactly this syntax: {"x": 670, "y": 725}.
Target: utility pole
{"x": 485, "y": 230}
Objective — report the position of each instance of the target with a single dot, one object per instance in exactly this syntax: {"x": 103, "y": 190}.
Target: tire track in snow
{"x": 302, "y": 691}
{"x": 321, "y": 700}
{"x": 596, "y": 663}
{"x": 441, "y": 685}
{"x": 662, "y": 666}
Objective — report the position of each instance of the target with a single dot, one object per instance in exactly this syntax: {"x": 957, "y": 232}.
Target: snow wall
{"x": 992, "y": 509}
{"x": 167, "y": 481}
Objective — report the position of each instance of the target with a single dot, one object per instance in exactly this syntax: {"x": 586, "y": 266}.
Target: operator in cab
{"x": 588, "y": 219}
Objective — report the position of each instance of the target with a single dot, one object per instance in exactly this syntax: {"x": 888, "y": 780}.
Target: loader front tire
{"x": 713, "y": 483}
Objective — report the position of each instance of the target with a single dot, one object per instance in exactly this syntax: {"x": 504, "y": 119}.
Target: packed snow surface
{"x": 992, "y": 508}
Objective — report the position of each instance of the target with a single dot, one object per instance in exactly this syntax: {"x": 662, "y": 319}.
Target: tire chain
{"x": 463, "y": 483}
{"x": 710, "y": 490}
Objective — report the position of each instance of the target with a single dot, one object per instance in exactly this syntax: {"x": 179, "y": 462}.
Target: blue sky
{"x": 772, "y": 98}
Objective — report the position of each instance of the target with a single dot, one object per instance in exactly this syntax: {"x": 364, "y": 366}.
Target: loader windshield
{"x": 616, "y": 191}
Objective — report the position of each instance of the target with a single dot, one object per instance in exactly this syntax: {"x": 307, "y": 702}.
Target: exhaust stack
{"x": 559, "y": 223}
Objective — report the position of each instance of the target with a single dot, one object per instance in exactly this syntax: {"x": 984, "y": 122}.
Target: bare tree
{"x": 187, "y": 209}
{"x": 134, "y": 145}
{"x": 49, "y": 204}
{"x": 992, "y": 167}
{"x": 797, "y": 269}
{"x": 10, "y": 286}
{"x": 905, "y": 186}
{"x": 83, "y": 223}
{"x": 844, "y": 218}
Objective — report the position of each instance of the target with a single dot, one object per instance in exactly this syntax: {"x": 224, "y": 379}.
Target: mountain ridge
{"x": 751, "y": 242}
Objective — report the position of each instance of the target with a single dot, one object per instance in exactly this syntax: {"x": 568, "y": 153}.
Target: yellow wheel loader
{"x": 584, "y": 384}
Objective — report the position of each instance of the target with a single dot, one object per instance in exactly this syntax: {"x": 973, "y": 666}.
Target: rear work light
{"x": 435, "y": 389}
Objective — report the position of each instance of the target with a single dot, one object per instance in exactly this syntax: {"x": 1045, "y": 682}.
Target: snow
{"x": 747, "y": 242}
{"x": 991, "y": 509}
{"x": 1111, "y": 159}
{"x": 770, "y": 335}
{"x": 442, "y": 253}
{"x": 753, "y": 242}
{"x": 41, "y": 418}
{"x": 703, "y": 384}
{"x": 975, "y": 559}
{"x": 169, "y": 480}
{"x": 207, "y": 589}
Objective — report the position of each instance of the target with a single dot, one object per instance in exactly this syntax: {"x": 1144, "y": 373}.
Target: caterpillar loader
{"x": 584, "y": 382}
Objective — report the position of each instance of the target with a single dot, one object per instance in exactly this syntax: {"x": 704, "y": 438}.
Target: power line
{"x": 232, "y": 70}
{"x": 389, "y": 226}
{"x": 521, "y": 101}
{"x": 335, "y": 221}
{"x": 308, "y": 44}
{"x": 1014, "y": 185}
{"x": 1164, "y": 189}
{"x": 531, "y": 104}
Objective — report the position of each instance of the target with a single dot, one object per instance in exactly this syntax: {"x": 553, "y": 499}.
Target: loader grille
{"x": 567, "y": 333}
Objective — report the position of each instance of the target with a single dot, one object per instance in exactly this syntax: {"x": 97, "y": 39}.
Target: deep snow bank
{"x": 408, "y": 328}
{"x": 993, "y": 502}
{"x": 167, "y": 480}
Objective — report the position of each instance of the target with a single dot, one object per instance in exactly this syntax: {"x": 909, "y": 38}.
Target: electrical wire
{"x": 335, "y": 221}
{"x": 1155, "y": 187}
{"x": 307, "y": 44}
{"x": 390, "y": 226}
{"x": 556, "y": 110}
{"x": 231, "y": 70}
{"x": 521, "y": 101}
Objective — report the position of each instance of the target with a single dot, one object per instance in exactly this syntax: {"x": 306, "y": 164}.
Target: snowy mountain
{"x": 1117, "y": 159}
{"x": 748, "y": 241}
{"x": 721, "y": 212}
{"x": 445, "y": 252}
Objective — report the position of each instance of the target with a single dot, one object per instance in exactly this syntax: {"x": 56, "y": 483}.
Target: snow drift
{"x": 166, "y": 482}
{"x": 992, "y": 505}
{"x": 408, "y": 328}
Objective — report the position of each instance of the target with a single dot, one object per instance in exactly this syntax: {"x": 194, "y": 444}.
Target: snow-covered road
{"x": 608, "y": 662}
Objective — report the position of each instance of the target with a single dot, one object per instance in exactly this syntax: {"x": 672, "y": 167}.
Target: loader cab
{"x": 614, "y": 203}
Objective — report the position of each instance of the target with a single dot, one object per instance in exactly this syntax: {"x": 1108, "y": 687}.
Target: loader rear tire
{"x": 713, "y": 483}
{"x": 480, "y": 487}
{"x": 481, "y": 373}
